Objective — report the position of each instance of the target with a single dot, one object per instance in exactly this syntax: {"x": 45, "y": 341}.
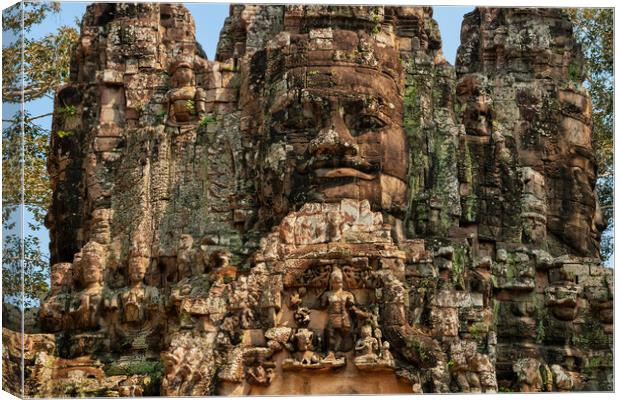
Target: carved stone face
{"x": 574, "y": 213}
{"x": 91, "y": 264}
{"x": 61, "y": 276}
{"x": 183, "y": 75}
{"x": 473, "y": 93}
{"x": 335, "y": 131}
{"x": 101, "y": 225}
{"x": 91, "y": 269}
{"x": 581, "y": 208}
{"x": 335, "y": 280}
{"x": 186, "y": 242}
{"x": 137, "y": 268}
{"x": 366, "y": 331}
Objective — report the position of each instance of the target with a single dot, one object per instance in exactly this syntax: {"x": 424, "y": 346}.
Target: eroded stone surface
{"x": 327, "y": 208}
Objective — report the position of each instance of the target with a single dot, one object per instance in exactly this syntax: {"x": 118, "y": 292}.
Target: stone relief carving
{"x": 352, "y": 210}
{"x": 186, "y": 102}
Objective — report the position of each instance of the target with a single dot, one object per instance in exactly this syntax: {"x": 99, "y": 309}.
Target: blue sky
{"x": 209, "y": 21}
{"x": 210, "y": 18}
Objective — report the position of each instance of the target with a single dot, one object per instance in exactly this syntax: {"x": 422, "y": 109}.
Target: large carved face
{"x": 473, "y": 93}
{"x": 575, "y": 214}
{"x": 334, "y": 126}
{"x": 582, "y": 225}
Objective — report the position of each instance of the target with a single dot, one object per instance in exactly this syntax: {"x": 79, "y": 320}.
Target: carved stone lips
{"x": 342, "y": 173}
{"x": 336, "y": 167}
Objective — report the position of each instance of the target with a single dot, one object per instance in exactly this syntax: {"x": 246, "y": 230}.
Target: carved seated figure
{"x": 366, "y": 347}
{"x": 193, "y": 267}
{"x": 138, "y": 301}
{"x": 55, "y": 305}
{"x": 186, "y": 102}
{"x": 370, "y": 353}
{"x": 305, "y": 349}
{"x": 302, "y": 345}
{"x": 85, "y": 308}
{"x": 140, "y": 305}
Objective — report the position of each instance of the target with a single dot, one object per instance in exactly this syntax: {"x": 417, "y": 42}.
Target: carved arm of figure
{"x": 361, "y": 347}
{"x": 154, "y": 302}
{"x": 200, "y": 101}
{"x": 79, "y": 314}
{"x": 170, "y": 110}
{"x": 324, "y": 300}
{"x": 358, "y": 312}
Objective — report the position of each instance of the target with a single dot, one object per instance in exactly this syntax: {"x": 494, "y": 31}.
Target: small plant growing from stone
{"x": 376, "y": 18}
{"x": 190, "y": 106}
{"x": 540, "y": 332}
{"x": 161, "y": 116}
{"x": 209, "y": 119}
{"x": 477, "y": 330}
{"x": 67, "y": 111}
{"x": 61, "y": 134}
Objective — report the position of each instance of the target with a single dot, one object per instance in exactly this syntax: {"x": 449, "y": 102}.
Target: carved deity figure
{"x": 100, "y": 230}
{"x": 303, "y": 340}
{"x": 528, "y": 374}
{"x": 54, "y": 307}
{"x": 186, "y": 102}
{"x": 395, "y": 300}
{"x": 366, "y": 347}
{"x": 138, "y": 301}
{"x": 201, "y": 263}
{"x": 340, "y": 303}
{"x": 534, "y": 213}
{"x": 185, "y": 256}
{"x": 85, "y": 307}
{"x": 222, "y": 270}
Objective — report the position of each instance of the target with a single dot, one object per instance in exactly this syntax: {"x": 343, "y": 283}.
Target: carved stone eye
{"x": 365, "y": 123}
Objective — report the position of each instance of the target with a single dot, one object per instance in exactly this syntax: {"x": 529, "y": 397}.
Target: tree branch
{"x": 39, "y": 116}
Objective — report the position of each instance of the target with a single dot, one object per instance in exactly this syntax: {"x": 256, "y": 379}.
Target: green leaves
{"x": 31, "y": 14}
{"x": 35, "y": 266}
{"x": 67, "y": 111}
{"x": 36, "y": 180}
{"x": 190, "y": 106}
{"x": 61, "y": 134}
{"x": 209, "y": 119}
{"x": 46, "y": 65}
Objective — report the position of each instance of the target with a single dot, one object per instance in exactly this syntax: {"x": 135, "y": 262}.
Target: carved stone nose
{"x": 330, "y": 141}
